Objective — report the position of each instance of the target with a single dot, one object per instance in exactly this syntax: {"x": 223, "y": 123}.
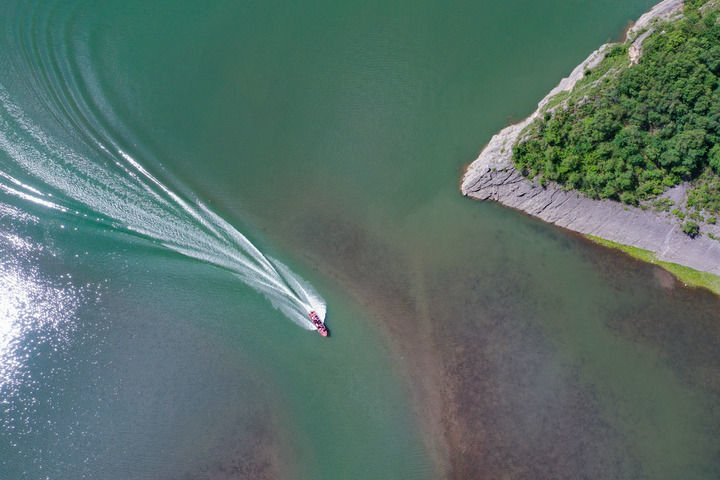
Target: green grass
{"x": 556, "y": 100}
{"x": 685, "y": 274}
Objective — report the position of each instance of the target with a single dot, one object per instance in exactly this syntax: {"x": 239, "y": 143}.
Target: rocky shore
{"x": 492, "y": 176}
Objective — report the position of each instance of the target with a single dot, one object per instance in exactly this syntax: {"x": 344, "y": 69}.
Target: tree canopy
{"x": 635, "y": 130}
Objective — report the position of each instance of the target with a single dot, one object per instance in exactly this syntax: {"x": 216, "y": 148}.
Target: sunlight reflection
{"x": 36, "y": 320}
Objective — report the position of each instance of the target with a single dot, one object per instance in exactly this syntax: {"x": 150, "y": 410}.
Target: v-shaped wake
{"x": 114, "y": 189}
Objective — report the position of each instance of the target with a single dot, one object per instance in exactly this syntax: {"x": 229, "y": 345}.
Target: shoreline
{"x": 492, "y": 176}
{"x": 688, "y": 276}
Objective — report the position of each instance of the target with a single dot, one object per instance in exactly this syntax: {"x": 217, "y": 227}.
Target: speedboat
{"x": 321, "y": 328}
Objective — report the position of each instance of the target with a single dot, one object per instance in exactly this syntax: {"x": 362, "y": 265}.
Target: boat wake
{"x": 111, "y": 188}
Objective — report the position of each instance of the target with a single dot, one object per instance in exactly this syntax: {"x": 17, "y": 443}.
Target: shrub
{"x": 691, "y": 229}
{"x": 617, "y": 50}
{"x": 628, "y": 198}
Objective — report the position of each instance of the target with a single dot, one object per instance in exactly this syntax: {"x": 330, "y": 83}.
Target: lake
{"x": 140, "y": 143}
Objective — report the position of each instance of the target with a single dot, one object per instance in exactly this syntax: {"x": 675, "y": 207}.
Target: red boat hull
{"x": 321, "y": 328}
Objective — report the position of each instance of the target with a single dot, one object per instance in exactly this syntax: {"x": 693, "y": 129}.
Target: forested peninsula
{"x": 626, "y": 150}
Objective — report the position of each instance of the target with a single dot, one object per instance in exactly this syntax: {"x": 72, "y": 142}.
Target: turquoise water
{"x": 468, "y": 341}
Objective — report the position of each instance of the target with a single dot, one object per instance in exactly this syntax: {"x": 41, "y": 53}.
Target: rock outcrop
{"x": 493, "y": 177}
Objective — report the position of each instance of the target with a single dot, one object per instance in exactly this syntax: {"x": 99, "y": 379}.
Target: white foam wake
{"x": 116, "y": 190}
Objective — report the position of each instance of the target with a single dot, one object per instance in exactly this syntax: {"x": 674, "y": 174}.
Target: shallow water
{"x": 468, "y": 341}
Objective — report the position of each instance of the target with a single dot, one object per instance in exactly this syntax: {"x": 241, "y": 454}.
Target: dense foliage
{"x": 706, "y": 193}
{"x": 636, "y": 131}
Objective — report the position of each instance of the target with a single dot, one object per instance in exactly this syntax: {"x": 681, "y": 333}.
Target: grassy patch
{"x": 557, "y": 99}
{"x": 662, "y": 204}
{"x": 685, "y": 274}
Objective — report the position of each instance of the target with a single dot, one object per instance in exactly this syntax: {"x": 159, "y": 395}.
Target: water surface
{"x": 468, "y": 341}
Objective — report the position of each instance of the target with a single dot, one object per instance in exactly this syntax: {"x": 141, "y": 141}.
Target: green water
{"x": 468, "y": 341}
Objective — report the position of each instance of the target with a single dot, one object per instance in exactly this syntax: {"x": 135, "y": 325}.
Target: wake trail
{"x": 120, "y": 193}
